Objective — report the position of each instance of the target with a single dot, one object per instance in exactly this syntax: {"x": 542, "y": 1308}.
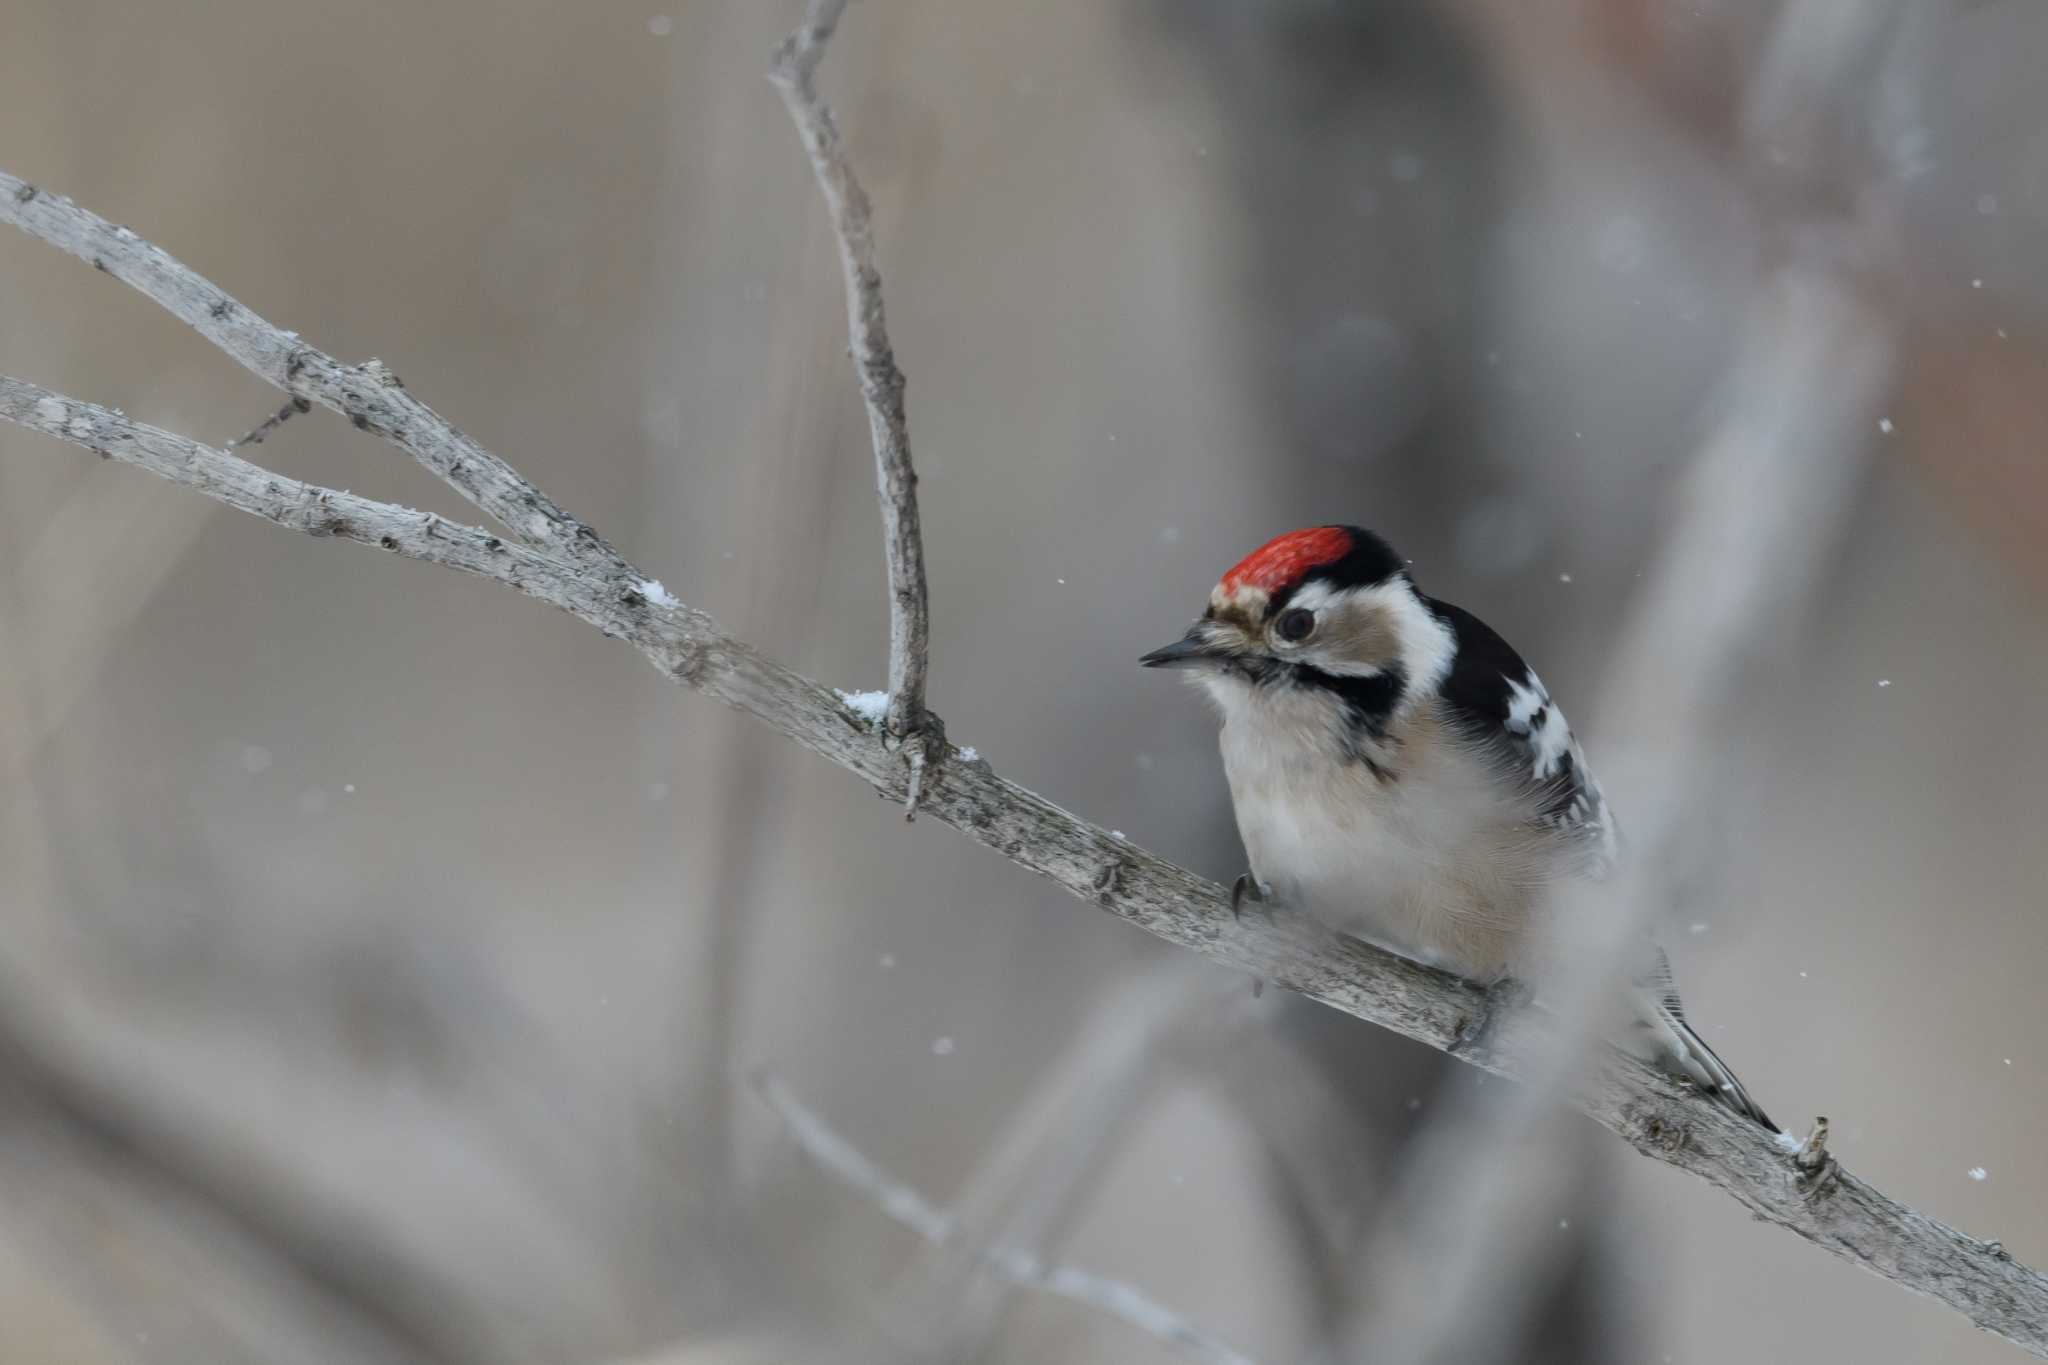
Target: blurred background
{"x": 385, "y": 957}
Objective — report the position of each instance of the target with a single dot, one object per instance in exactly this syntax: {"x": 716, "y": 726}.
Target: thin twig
{"x": 1653, "y": 1113}
{"x": 1031, "y": 1184}
{"x": 257, "y": 434}
{"x": 847, "y": 1164}
{"x": 881, "y": 383}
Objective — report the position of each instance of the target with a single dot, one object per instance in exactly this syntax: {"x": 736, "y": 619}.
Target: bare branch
{"x": 369, "y": 395}
{"x": 881, "y": 382}
{"x": 845, "y": 1163}
{"x": 580, "y": 574}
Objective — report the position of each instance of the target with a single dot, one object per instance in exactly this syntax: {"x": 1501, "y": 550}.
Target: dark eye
{"x": 1295, "y": 624}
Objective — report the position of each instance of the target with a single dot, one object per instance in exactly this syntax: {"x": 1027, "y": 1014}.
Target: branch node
{"x": 924, "y": 747}
{"x": 1477, "y": 1033}
{"x": 796, "y": 57}
{"x": 689, "y": 669}
{"x": 1663, "y": 1134}
{"x": 1812, "y": 1158}
{"x": 913, "y": 789}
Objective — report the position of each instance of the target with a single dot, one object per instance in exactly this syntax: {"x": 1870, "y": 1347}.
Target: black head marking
{"x": 1367, "y": 702}
{"x": 1370, "y": 560}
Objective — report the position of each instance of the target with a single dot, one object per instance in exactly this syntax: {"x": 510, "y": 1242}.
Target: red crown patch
{"x": 1280, "y": 563}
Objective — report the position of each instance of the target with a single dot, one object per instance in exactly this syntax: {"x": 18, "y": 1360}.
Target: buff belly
{"x": 1417, "y": 849}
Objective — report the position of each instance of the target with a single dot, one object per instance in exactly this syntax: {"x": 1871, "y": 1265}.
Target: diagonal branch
{"x": 847, "y": 1164}
{"x": 585, "y": 577}
{"x": 881, "y": 382}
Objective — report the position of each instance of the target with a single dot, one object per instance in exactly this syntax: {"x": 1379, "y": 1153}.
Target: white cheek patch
{"x": 1320, "y": 598}
{"x": 1425, "y": 645}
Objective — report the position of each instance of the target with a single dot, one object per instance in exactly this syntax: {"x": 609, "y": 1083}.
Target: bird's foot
{"x": 1501, "y": 999}
{"x": 1248, "y": 889}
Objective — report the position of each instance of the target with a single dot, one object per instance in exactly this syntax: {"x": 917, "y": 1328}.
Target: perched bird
{"x": 1400, "y": 773}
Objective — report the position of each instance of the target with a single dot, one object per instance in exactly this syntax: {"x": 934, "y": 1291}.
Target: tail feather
{"x": 1686, "y": 1053}
{"x": 1679, "y": 1050}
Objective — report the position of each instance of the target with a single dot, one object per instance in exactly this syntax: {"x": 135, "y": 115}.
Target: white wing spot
{"x": 1532, "y": 716}
{"x": 1531, "y": 713}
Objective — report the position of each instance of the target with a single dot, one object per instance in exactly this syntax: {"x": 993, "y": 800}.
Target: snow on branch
{"x": 554, "y": 558}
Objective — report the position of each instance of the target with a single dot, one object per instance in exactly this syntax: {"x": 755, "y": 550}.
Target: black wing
{"x": 1497, "y": 699}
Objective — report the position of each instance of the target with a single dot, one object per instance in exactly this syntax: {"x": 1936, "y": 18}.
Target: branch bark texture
{"x": 550, "y": 556}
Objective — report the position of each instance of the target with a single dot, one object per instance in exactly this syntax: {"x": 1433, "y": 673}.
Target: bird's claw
{"x": 1503, "y": 998}
{"x": 1507, "y": 995}
{"x": 1247, "y": 888}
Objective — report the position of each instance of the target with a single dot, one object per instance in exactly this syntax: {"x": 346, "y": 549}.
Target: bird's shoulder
{"x": 1493, "y": 698}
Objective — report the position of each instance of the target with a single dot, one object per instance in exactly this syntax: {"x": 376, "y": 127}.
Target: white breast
{"x": 1434, "y": 857}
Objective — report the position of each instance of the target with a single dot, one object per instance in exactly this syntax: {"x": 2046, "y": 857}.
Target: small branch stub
{"x": 923, "y": 749}
{"x": 1812, "y": 1155}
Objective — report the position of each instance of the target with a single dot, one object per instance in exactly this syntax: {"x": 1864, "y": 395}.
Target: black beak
{"x": 1190, "y": 651}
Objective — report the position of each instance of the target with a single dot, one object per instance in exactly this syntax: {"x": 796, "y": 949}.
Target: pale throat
{"x": 1384, "y": 634}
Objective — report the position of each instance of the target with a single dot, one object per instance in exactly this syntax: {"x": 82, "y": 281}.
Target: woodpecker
{"x": 1400, "y": 773}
